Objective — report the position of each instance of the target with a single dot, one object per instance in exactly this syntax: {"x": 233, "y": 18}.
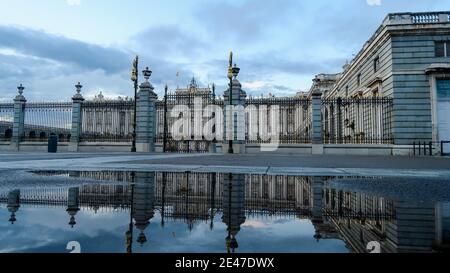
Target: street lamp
{"x": 135, "y": 78}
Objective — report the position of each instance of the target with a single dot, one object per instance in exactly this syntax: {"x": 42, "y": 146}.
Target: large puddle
{"x": 159, "y": 212}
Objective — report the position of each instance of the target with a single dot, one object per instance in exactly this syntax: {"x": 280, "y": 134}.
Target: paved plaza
{"x": 308, "y": 165}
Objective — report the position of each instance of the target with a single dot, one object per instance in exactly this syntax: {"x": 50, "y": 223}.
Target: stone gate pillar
{"x": 75, "y": 132}
{"x": 316, "y": 123}
{"x": 19, "y": 119}
{"x": 146, "y": 116}
{"x": 234, "y": 116}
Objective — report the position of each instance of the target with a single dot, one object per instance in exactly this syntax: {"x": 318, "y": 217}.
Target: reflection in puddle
{"x": 211, "y": 212}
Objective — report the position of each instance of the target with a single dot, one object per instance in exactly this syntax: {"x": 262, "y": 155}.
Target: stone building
{"x": 115, "y": 119}
{"x": 407, "y": 59}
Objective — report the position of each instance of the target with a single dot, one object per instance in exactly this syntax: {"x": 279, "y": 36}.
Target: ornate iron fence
{"x": 107, "y": 121}
{"x": 6, "y": 121}
{"x": 293, "y": 119}
{"x": 189, "y": 137}
{"x": 357, "y": 121}
{"x": 47, "y": 118}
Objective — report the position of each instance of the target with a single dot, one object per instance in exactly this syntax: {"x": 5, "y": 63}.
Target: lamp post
{"x": 129, "y": 233}
{"x": 233, "y": 72}
{"x": 135, "y": 78}
{"x": 230, "y": 97}
{"x": 165, "y": 120}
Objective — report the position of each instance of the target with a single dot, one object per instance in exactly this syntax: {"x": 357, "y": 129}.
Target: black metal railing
{"x": 357, "y": 121}
{"x": 188, "y": 146}
{"x": 430, "y": 148}
{"x": 292, "y": 120}
{"x": 6, "y": 121}
{"x": 107, "y": 121}
{"x": 45, "y": 119}
{"x": 190, "y": 137}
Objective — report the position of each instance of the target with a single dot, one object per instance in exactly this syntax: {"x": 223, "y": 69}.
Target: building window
{"x": 358, "y": 79}
{"x": 376, "y": 64}
{"x": 442, "y": 49}
{"x": 346, "y": 91}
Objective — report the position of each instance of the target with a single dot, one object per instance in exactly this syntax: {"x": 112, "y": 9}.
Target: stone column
{"x": 316, "y": 123}
{"x": 75, "y": 132}
{"x": 236, "y": 129}
{"x": 19, "y": 119}
{"x": 146, "y": 116}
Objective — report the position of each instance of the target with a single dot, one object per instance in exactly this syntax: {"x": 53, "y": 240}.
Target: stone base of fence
{"x": 306, "y": 149}
{"x": 73, "y": 147}
{"x": 98, "y": 147}
{"x": 83, "y": 147}
{"x": 403, "y": 150}
{"x": 213, "y": 148}
{"x": 14, "y": 146}
{"x": 238, "y": 148}
{"x": 329, "y": 149}
{"x": 5, "y": 146}
{"x": 353, "y": 149}
{"x": 317, "y": 149}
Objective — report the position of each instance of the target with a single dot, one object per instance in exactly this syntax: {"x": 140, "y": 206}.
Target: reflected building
{"x": 400, "y": 226}
{"x": 443, "y": 225}
{"x": 336, "y": 212}
{"x": 323, "y": 228}
{"x": 233, "y": 207}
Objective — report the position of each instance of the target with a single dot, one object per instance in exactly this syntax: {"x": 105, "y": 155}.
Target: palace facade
{"x": 407, "y": 59}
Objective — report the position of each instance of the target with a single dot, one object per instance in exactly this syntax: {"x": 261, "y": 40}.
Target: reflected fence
{"x": 197, "y": 196}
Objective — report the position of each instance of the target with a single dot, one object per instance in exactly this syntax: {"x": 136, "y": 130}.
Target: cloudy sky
{"x": 49, "y": 45}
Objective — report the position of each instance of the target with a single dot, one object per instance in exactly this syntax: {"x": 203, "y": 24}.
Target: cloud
{"x": 52, "y": 47}
{"x": 49, "y": 65}
{"x": 73, "y": 2}
{"x": 170, "y": 41}
{"x": 374, "y": 2}
{"x": 245, "y": 21}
